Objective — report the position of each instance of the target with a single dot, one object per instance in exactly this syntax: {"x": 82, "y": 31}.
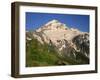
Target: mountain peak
{"x": 68, "y": 42}
{"x": 54, "y": 24}
{"x": 53, "y": 21}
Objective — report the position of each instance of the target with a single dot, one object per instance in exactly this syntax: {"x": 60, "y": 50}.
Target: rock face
{"x": 68, "y": 42}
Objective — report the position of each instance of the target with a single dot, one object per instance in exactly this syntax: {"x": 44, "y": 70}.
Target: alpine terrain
{"x": 56, "y": 44}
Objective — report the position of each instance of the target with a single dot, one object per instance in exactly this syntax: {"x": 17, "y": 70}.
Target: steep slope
{"x": 70, "y": 44}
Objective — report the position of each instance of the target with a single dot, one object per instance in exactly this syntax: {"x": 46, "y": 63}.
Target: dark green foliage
{"x": 40, "y": 55}
{"x": 81, "y": 58}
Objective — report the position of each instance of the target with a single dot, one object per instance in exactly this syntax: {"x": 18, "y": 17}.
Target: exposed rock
{"x": 68, "y": 42}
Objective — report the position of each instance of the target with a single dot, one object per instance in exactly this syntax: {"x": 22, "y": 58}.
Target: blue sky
{"x": 36, "y": 20}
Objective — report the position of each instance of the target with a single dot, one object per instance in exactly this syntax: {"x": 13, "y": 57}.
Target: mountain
{"x": 69, "y": 44}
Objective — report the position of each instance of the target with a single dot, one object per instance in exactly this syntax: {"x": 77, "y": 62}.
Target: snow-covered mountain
{"x": 68, "y": 42}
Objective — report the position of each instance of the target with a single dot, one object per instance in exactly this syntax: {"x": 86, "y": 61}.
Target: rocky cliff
{"x": 69, "y": 43}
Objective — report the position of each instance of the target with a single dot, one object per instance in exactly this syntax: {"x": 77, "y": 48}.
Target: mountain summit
{"x": 53, "y": 25}
{"x": 68, "y": 42}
